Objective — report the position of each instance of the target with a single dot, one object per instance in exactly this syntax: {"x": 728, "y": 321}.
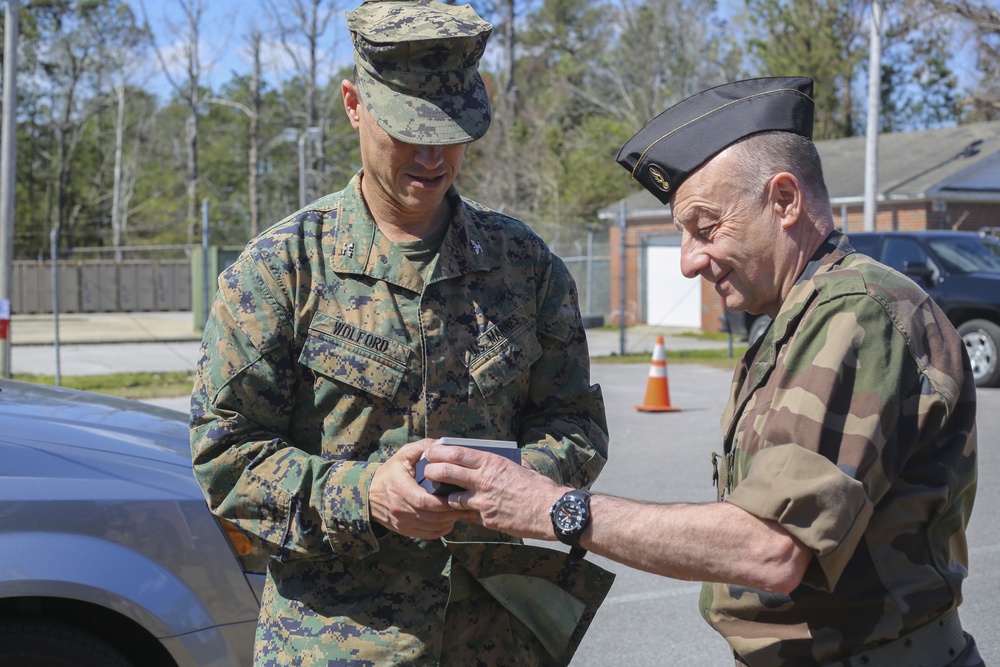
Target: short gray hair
{"x": 757, "y": 158}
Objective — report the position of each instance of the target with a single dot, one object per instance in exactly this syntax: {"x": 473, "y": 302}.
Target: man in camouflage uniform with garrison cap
{"x": 849, "y": 464}
{"x": 350, "y": 335}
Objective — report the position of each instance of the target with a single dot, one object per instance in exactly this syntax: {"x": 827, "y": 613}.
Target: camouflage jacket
{"x": 852, "y": 424}
{"x": 326, "y": 352}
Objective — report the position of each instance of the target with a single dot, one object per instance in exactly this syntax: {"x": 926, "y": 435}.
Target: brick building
{"x": 932, "y": 179}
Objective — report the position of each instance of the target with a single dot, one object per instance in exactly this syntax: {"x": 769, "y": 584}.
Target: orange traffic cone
{"x": 657, "y": 388}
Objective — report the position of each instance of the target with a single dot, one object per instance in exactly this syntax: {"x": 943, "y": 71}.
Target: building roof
{"x": 959, "y": 163}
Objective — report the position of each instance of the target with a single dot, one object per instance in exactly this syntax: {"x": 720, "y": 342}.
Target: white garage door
{"x": 671, "y": 299}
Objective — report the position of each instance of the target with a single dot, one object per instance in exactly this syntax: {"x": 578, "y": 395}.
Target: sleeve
{"x": 296, "y": 502}
{"x": 564, "y": 427}
{"x": 847, "y": 406}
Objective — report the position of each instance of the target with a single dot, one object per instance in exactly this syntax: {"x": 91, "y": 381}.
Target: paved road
{"x": 652, "y": 621}
{"x": 98, "y": 343}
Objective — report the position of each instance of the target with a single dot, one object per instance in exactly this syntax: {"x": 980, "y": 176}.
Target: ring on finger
{"x": 461, "y": 501}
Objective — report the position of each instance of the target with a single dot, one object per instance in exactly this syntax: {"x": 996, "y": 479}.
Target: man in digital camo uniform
{"x": 350, "y": 335}
{"x": 849, "y": 469}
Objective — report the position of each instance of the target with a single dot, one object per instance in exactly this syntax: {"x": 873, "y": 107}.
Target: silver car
{"x": 108, "y": 553}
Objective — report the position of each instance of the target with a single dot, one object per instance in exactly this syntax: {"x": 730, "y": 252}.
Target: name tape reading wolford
{"x": 352, "y": 333}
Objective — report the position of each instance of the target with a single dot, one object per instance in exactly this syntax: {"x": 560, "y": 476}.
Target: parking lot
{"x": 650, "y": 620}
{"x": 653, "y": 621}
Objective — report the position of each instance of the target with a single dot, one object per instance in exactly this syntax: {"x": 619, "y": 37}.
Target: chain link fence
{"x": 628, "y": 295}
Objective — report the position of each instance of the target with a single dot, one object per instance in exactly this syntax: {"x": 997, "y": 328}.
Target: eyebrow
{"x": 691, "y": 216}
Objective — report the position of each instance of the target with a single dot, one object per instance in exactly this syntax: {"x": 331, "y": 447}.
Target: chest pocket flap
{"x": 504, "y": 352}
{"x": 362, "y": 359}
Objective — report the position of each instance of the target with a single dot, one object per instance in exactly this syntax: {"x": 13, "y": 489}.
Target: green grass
{"x": 716, "y": 358}
{"x": 160, "y": 385}
{"x": 124, "y": 385}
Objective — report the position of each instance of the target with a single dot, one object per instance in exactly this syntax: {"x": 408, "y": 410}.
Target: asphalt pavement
{"x": 646, "y": 620}
{"x": 652, "y": 621}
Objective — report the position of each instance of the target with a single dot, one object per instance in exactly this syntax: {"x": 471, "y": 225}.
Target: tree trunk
{"x": 253, "y": 159}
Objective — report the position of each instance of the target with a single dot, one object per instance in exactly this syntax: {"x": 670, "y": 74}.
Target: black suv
{"x": 959, "y": 270}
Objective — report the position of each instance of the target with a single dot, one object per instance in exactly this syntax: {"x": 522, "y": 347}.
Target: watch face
{"x": 569, "y": 515}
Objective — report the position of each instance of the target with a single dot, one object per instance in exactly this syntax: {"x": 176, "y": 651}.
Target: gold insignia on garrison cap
{"x": 659, "y": 178}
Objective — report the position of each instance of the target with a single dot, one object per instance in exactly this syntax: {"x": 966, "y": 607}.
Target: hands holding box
{"x": 506, "y": 448}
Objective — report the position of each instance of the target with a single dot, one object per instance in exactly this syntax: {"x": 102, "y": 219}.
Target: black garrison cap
{"x": 687, "y": 135}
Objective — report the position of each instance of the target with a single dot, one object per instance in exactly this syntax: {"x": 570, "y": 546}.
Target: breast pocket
{"x": 501, "y": 370}
{"x": 356, "y": 374}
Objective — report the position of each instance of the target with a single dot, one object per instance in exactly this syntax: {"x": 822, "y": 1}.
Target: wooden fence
{"x": 102, "y": 286}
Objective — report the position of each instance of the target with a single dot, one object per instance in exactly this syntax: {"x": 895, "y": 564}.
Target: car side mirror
{"x": 921, "y": 270}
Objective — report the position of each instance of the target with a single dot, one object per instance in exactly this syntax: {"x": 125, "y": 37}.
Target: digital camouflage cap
{"x": 418, "y": 69}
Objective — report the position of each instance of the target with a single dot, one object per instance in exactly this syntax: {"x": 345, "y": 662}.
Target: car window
{"x": 967, "y": 254}
{"x": 866, "y": 245}
{"x": 901, "y": 253}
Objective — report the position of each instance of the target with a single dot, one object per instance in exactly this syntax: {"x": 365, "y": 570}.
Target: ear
{"x": 786, "y": 198}
{"x": 351, "y": 101}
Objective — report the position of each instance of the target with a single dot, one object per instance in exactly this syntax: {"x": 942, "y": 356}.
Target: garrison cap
{"x": 687, "y": 135}
{"x": 418, "y": 69}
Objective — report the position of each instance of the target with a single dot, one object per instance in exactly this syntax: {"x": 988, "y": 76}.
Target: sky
{"x": 226, "y": 24}
{"x": 223, "y": 46}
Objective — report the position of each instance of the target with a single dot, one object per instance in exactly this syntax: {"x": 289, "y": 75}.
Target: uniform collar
{"x": 360, "y": 248}
{"x": 755, "y": 366}
{"x": 465, "y": 249}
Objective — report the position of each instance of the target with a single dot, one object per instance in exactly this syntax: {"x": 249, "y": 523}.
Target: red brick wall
{"x": 968, "y": 216}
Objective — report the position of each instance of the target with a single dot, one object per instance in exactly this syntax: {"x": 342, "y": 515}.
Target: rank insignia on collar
{"x": 476, "y": 247}
{"x": 348, "y": 250}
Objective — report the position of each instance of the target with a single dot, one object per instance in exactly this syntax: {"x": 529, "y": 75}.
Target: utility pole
{"x": 8, "y": 162}
{"x": 622, "y": 257}
{"x": 871, "y": 136}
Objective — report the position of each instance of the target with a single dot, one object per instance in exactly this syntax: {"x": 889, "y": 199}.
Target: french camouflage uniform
{"x": 325, "y": 353}
{"x": 852, "y": 424}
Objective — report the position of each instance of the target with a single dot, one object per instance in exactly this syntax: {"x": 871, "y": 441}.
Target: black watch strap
{"x": 574, "y": 506}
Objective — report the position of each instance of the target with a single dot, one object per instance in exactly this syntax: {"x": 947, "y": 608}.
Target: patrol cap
{"x": 687, "y": 135}
{"x": 418, "y": 69}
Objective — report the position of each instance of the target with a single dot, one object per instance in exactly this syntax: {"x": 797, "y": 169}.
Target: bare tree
{"x": 121, "y": 55}
{"x": 300, "y": 27}
{"x": 189, "y": 90}
{"x": 504, "y": 12}
{"x": 983, "y": 17}
{"x": 254, "y": 149}
{"x": 659, "y": 60}
{"x": 69, "y": 62}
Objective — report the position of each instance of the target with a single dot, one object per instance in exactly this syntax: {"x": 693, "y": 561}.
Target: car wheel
{"x": 758, "y": 328}
{"x": 982, "y": 341}
{"x": 43, "y": 643}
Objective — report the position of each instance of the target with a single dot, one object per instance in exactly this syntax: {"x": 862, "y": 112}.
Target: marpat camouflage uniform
{"x": 325, "y": 353}
{"x": 853, "y": 426}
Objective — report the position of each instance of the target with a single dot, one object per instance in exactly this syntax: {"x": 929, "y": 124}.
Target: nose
{"x": 429, "y": 156}
{"x": 693, "y": 257}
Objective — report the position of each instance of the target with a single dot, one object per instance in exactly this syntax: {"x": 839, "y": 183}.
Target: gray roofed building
{"x": 950, "y": 164}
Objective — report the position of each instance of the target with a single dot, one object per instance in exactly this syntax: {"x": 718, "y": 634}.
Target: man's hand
{"x": 508, "y": 497}
{"x": 397, "y": 502}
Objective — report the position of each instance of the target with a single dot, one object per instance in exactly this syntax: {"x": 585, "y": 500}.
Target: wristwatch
{"x": 570, "y": 517}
